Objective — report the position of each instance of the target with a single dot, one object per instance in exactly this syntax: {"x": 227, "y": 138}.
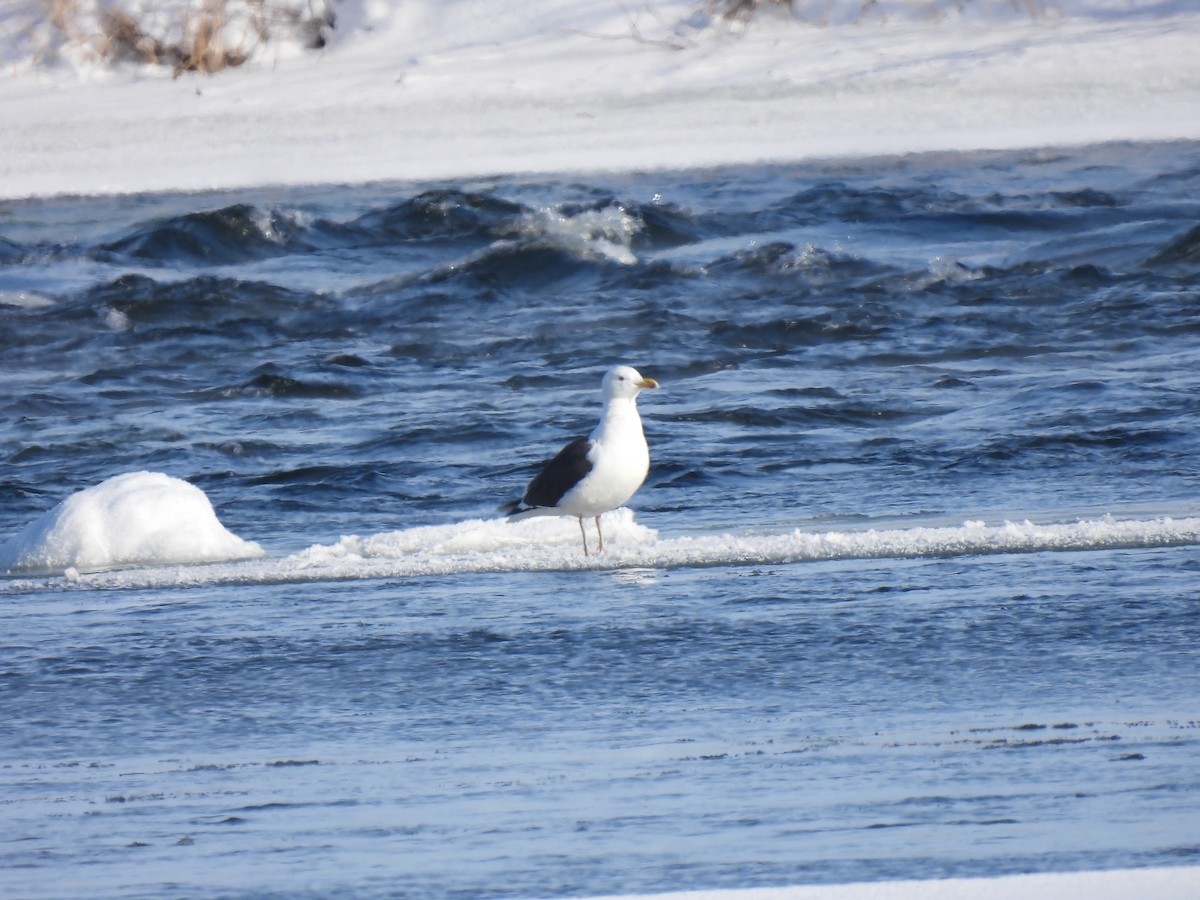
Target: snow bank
{"x": 140, "y": 518}
{"x": 431, "y": 90}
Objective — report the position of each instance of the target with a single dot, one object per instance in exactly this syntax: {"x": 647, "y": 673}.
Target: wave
{"x": 810, "y": 241}
{"x": 444, "y": 213}
{"x": 602, "y": 233}
{"x": 243, "y": 233}
{"x": 205, "y": 301}
{"x": 238, "y": 233}
{"x": 552, "y": 545}
{"x": 1183, "y": 250}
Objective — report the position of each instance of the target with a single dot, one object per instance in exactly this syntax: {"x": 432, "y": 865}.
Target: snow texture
{"x": 426, "y": 90}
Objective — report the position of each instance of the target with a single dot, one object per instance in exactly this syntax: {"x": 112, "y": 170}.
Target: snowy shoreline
{"x": 463, "y": 90}
{"x": 1116, "y": 884}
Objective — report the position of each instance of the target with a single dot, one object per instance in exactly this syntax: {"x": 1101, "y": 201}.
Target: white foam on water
{"x": 25, "y": 299}
{"x": 163, "y": 527}
{"x": 605, "y": 233}
{"x": 135, "y": 519}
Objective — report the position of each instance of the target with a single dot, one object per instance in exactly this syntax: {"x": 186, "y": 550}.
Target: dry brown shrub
{"x": 122, "y": 39}
{"x": 217, "y": 35}
{"x": 62, "y": 14}
{"x": 743, "y": 10}
{"x": 205, "y": 47}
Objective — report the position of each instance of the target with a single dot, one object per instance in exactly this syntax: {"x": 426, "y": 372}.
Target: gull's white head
{"x": 624, "y": 381}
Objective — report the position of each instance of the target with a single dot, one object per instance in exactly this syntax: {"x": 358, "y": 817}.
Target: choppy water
{"x": 912, "y": 589}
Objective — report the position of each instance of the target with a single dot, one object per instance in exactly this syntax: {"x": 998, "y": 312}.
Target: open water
{"x": 912, "y": 590}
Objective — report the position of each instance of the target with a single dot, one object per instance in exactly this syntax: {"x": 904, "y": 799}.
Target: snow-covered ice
{"x": 130, "y": 532}
{"x": 139, "y": 518}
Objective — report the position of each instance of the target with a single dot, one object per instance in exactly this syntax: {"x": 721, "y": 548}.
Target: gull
{"x": 594, "y": 474}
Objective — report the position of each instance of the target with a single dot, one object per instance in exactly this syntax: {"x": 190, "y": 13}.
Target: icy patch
{"x": 136, "y": 519}
{"x": 478, "y": 545}
{"x": 554, "y": 545}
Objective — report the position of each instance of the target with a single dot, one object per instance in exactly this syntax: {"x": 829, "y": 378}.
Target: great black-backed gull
{"x": 600, "y": 472}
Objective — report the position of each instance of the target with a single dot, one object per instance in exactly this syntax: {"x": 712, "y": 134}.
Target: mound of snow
{"x": 140, "y": 518}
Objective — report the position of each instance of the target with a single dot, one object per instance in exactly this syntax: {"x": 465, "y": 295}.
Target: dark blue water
{"x": 818, "y": 655}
